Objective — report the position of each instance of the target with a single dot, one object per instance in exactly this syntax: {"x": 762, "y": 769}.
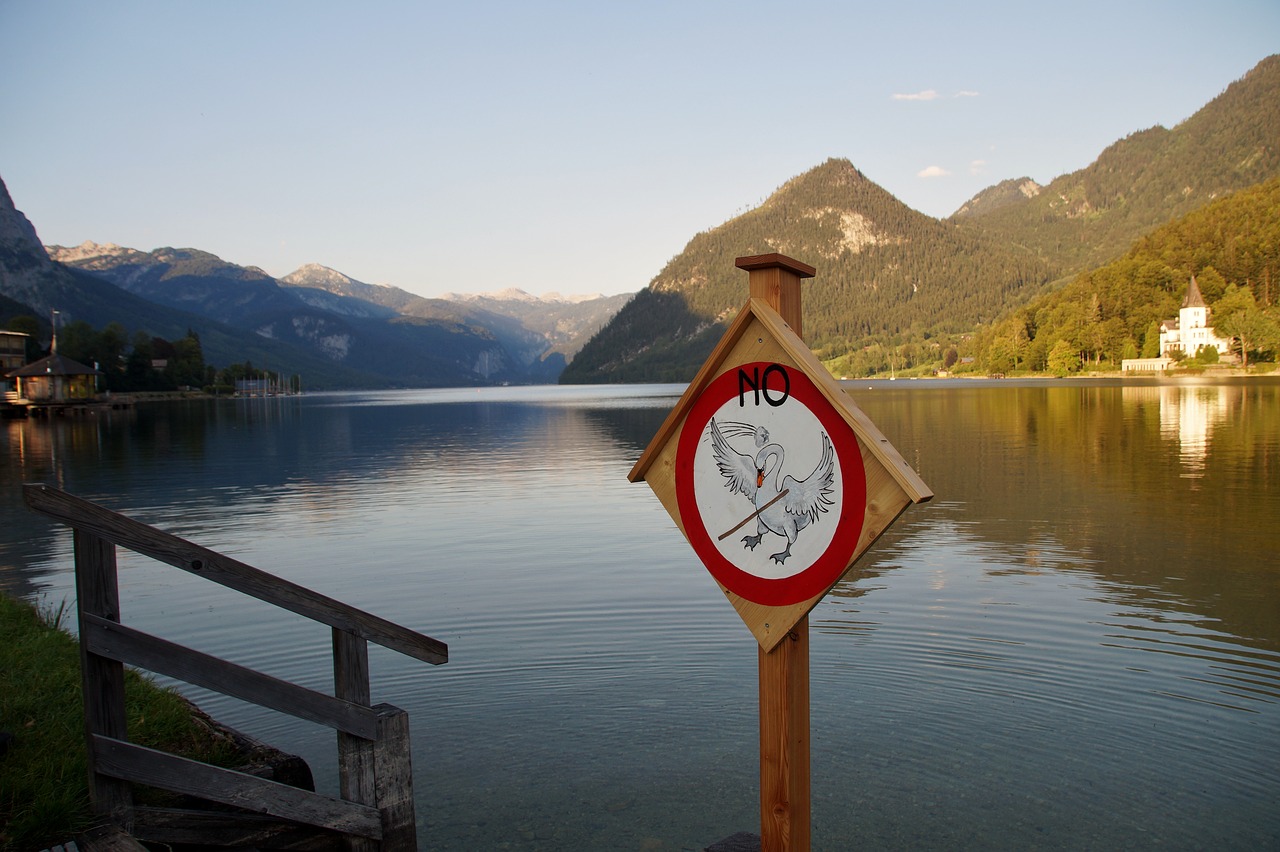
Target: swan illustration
{"x": 782, "y": 508}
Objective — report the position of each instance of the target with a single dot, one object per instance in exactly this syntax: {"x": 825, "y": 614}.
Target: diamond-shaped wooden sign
{"x": 774, "y": 475}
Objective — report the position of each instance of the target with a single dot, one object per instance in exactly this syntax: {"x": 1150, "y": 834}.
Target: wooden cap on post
{"x": 775, "y": 280}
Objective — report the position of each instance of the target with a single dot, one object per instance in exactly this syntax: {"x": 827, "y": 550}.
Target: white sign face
{"x": 770, "y": 484}
{"x": 765, "y": 479}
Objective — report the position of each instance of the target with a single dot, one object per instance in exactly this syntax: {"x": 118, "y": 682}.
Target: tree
{"x": 1253, "y": 328}
{"x": 186, "y": 366}
{"x": 1063, "y": 359}
{"x": 1151, "y": 341}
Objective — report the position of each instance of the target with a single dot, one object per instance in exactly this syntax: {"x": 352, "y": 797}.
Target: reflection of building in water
{"x": 1188, "y": 415}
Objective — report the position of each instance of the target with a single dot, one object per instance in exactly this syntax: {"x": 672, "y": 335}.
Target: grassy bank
{"x": 44, "y": 797}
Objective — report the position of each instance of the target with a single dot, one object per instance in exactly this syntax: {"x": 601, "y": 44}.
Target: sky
{"x": 570, "y": 147}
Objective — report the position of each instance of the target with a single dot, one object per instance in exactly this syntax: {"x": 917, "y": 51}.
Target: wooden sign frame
{"x": 768, "y": 331}
{"x": 760, "y": 335}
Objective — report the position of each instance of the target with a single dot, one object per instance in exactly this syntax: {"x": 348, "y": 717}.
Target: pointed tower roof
{"x": 1194, "y": 299}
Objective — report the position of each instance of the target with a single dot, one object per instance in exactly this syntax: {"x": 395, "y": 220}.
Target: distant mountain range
{"x": 885, "y": 273}
{"x": 888, "y": 274}
{"x": 316, "y": 322}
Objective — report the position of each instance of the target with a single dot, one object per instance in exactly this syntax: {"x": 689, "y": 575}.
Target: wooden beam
{"x": 180, "y": 553}
{"x": 118, "y": 642}
{"x": 177, "y": 774}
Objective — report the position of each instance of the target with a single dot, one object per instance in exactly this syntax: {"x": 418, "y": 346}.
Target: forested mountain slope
{"x": 1231, "y": 246}
{"x": 1151, "y": 177}
{"x": 882, "y": 269}
{"x": 889, "y": 275}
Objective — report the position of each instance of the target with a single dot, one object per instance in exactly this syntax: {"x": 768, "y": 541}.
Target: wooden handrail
{"x": 115, "y": 641}
{"x": 376, "y": 810}
{"x": 180, "y": 553}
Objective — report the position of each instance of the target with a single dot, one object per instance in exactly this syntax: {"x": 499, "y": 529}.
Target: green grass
{"x": 44, "y": 795}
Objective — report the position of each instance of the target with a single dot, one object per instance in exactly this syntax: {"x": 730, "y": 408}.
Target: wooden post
{"x": 356, "y": 765}
{"x": 101, "y": 679}
{"x": 784, "y": 671}
{"x": 395, "y": 780}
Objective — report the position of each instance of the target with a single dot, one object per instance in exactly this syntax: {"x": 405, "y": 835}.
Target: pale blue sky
{"x": 572, "y": 147}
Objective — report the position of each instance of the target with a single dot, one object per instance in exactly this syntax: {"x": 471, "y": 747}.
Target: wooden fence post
{"x": 395, "y": 779}
{"x": 101, "y": 679}
{"x": 356, "y": 766}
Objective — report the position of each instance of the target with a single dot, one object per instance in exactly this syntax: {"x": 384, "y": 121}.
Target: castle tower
{"x": 1194, "y": 313}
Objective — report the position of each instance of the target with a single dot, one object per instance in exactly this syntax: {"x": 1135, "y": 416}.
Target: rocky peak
{"x": 17, "y": 235}
{"x": 90, "y": 254}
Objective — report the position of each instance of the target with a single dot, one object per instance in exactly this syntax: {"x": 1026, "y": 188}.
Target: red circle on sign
{"x": 827, "y": 568}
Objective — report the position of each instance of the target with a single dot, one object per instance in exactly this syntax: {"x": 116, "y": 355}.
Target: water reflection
{"x": 1074, "y": 638}
{"x": 1188, "y": 415}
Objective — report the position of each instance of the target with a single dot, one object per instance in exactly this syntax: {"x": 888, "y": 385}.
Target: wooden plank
{"x": 118, "y": 642}
{"x": 229, "y": 829}
{"x": 257, "y": 795}
{"x": 392, "y": 756}
{"x": 101, "y": 679}
{"x": 180, "y": 553}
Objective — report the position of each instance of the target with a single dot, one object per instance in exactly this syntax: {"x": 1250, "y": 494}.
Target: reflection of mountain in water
{"x": 1087, "y": 476}
{"x": 1090, "y": 473}
{"x": 181, "y": 464}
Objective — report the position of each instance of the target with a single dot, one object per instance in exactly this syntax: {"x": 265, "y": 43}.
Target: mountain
{"x": 1004, "y": 194}
{"x": 543, "y": 333}
{"x": 887, "y": 274}
{"x": 33, "y": 284}
{"x": 348, "y": 331}
{"x": 566, "y": 323}
{"x": 882, "y": 269}
{"x": 1151, "y": 177}
{"x": 1230, "y": 246}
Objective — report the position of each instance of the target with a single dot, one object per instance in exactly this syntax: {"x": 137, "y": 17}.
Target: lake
{"x": 1076, "y": 644}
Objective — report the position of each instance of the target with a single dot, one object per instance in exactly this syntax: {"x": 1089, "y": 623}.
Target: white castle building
{"x": 1191, "y": 332}
{"x": 1187, "y": 334}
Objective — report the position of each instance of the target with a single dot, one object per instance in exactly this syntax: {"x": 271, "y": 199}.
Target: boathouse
{"x": 54, "y": 381}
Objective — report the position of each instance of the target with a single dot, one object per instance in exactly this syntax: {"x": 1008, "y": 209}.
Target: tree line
{"x": 141, "y": 362}
{"x": 1231, "y": 246}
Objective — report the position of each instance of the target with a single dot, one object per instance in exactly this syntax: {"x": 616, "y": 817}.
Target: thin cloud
{"x": 932, "y": 172}
{"x": 926, "y": 95}
{"x": 977, "y": 167}
{"x": 931, "y": 95}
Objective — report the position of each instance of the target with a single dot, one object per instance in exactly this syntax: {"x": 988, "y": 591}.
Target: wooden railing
{"x": 375, "y": 810}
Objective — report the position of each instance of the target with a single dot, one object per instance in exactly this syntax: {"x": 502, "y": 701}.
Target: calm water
{"x": 1075, "y": 645}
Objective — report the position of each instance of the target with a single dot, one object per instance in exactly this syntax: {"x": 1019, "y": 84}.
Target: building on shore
{"x": 1191, "y": 332}
{"x": 55, "y": 381}
{"x": 1184, "y": 336}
